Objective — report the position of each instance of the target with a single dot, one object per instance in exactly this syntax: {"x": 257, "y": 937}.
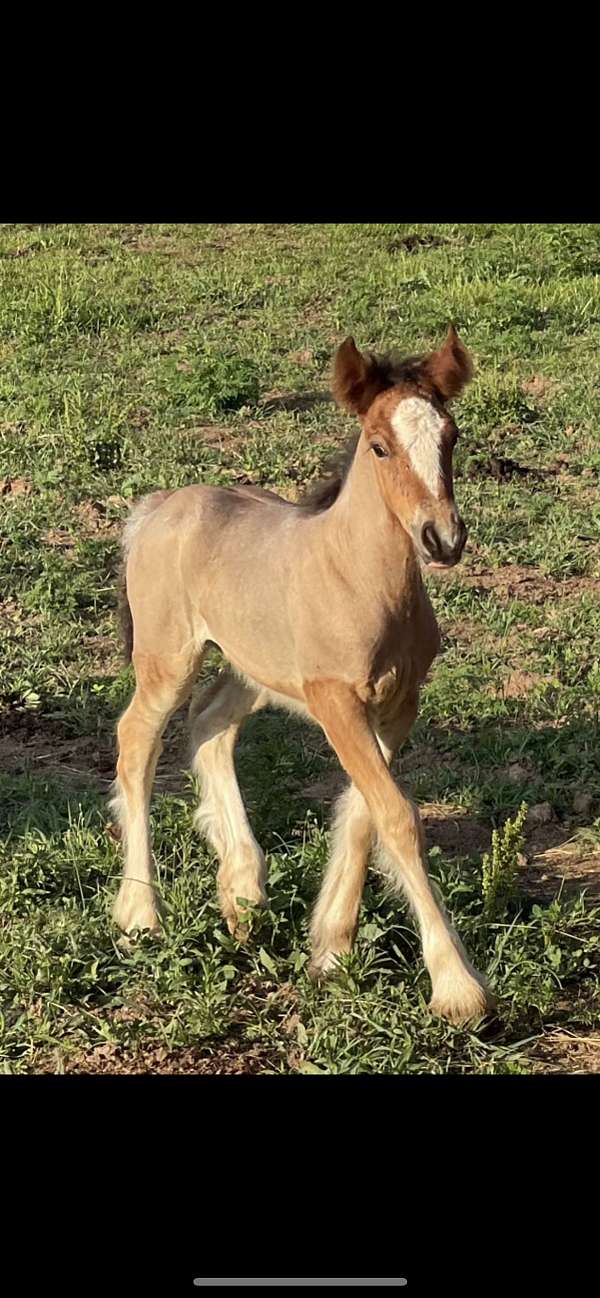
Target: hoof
{"x": 325, "y": 966}
{"x": 240, "y": 921}
{"x": 136, "y": 907}
{"x": 239, "y": 932}
{"x": 463, "y": 1001}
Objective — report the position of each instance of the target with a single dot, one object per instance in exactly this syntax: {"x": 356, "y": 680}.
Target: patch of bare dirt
{"x": 539, "y": 387}
{"x": 278, "y": 400}
{"x": 95, "y": 517}
{"x": 135, "y": 239}
{"x": 173, "y": 245}
{"x": 228, "y": 1058}
{"x": 450, "y": 827}
{"x": 58, "y": 538}
{"x": 527, "y": 584}
{"x": 212, "y": 434}
{"x": 40, "y": 747}
{"x": 10, "y": 609}
{"x": 304, "y": 357}
{"x": 454, "y": 830}
{"x": 76, "y": 760}
{"x": 554, "y": 862}
{"x": 553, "y": 858}
{"x": 519, "y": 683}
{"x": 15, "y": 487}
{"x": 483, "y": 464}
{"x": 103, "y": 654}
{"x": 470, "y": 631}
{"x": 504, "y": 469}
{"x": 567, "y": 1052}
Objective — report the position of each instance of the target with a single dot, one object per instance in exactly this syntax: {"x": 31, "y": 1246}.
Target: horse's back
{"x": 200, "y": 513}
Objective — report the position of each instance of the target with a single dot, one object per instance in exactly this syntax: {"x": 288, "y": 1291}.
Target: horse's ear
{"x": 450, "y": 368}
{"x": 357, "y": 379}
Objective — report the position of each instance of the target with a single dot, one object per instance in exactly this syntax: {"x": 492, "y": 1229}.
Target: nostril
{"x": 431, "y": 540}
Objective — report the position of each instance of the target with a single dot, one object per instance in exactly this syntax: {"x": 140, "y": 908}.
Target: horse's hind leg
{"x": 216, "y": 716}
{"x": 163, "y": 683}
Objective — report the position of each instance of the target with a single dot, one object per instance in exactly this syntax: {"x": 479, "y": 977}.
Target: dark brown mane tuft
{"x": 323, "y": 493}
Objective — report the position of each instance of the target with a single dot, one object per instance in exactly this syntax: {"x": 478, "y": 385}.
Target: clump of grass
{"x": 218, "y": 384}
{"x": 499, "y": 867}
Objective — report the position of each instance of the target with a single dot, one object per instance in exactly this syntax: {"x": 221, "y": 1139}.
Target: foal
{"x": 319, "y": 608}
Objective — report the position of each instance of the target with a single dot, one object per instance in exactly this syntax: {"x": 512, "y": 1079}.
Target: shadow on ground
{"x": 286, "y": 767}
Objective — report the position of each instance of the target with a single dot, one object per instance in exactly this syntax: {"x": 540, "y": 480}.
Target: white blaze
{"x": 418, "y": 428}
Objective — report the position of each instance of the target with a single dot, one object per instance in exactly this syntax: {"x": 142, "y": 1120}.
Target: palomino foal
{"x": 318, "y": 607}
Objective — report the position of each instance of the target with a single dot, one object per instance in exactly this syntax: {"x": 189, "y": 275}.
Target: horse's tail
{"x": 125, "y": 618}
{"x": 138, "y": 515}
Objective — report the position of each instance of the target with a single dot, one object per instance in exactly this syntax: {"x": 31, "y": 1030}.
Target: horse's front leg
{"x": 459, "y": 993}
{"x": 335, "y": 916}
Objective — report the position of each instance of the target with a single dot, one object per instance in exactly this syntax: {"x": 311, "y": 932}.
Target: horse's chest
{"x": 405, "y": 654}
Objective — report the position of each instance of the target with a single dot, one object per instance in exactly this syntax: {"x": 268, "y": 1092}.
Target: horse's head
{"x": 409, "y": 436}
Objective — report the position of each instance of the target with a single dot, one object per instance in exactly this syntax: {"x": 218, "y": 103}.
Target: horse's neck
{"x": 371, "y": 547}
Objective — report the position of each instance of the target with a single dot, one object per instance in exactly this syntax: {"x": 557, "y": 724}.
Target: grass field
{"x": 135, "y": 357}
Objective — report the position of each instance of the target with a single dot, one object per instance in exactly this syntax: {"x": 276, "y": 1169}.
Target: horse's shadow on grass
{"x": 294, "y": 401}
{"x": 286, "y": 765}
{"x": 286, "y": 769}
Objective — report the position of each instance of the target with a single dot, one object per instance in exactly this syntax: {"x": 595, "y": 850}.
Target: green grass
{"x": 136, "y": 357}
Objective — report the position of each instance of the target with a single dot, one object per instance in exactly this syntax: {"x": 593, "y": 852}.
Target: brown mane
{"x": 322, "y": 494}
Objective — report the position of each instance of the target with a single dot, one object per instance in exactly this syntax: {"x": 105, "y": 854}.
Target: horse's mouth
{"x": 441, "y": 565}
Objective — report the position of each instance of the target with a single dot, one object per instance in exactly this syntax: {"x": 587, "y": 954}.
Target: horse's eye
{"x": 379, "y": 450}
